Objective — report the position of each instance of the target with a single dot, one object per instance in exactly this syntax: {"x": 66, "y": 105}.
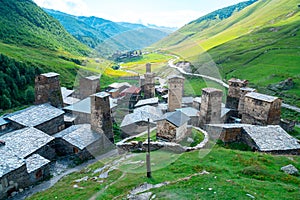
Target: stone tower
{"x": 101, "y": 119}
{"x": 211, "y": 102}
{"x": 176, "y": 84}
{"x": 149, "y": 85}
{"x": 88, "y": 86}
{"x": 47, "y": 89}
{"x": 233, "y": 96}
{"x": 261, "y": 109}
{"x": 243, "y": 92}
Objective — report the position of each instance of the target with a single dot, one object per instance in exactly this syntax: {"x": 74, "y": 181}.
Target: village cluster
{"x": 79, "y": 123}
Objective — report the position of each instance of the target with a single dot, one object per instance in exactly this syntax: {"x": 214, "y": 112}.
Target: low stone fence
{"x": 134, "y": 146}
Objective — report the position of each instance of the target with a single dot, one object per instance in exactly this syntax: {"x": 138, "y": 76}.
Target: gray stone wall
{"x": 40, "y": 174}
{"x": 166, "y": 131}
{"x": 47, "y": 89}
{"x": 101, "y": 118}
{"x": 53, "y": 126}
{"x": 258, "y": 112}
{"x": 233, "y": 96}
{"x": 88, "y": 87}
{"x": 149, "y": 86}
{"x": 210, "y": 111}
{"x": 176, "y": 85}
{"x": 14, "y": 181}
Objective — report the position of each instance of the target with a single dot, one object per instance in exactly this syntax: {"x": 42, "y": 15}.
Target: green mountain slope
{"x": 107, "y": 36}
{"x": 32, "y": 42}
{"x": 24, "y": 23}
{"x": 259, "y": 43}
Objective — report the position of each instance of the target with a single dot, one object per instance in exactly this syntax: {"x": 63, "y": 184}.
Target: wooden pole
{"x": 148, "y": 153}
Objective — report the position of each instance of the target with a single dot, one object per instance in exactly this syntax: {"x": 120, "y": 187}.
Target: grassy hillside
{"x": 106, "y": 36}
{"x": 231, "y": 174}
{"x": 32, "y": 42}
{"x": 259, "y": 43}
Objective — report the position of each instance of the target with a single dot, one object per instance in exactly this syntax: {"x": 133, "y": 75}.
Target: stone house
{"x": 131, "y": 96}
{"x": 43, "y": 117}
{"x": 193, "y": 114}
{"x": 13, "y": 173}
{"x": 80, "y": 141}
{"x": 137, "y": 122}
{"x": 243, "y": 92}
{"x": 38, "y": 168}
{"x": 187, "y": 101}
{"x": 261, "y": 109}
{"x": 28, "y": 141}
{"x": 269, "y": 139}
{"x": 172, "y": 127}
{"x": 24, "y": 160}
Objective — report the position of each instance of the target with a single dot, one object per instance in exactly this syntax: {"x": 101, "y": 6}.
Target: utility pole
{"x": 148, "y": 153}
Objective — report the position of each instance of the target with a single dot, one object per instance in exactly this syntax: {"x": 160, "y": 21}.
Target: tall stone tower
{"x": 149, "y": 85}
{"x": 101, "y": 119}
{"x": 234, "y": 94}
{"x": 176, "y": 84}
{"x": 211, "y": 102}
{"x": 47, "y": 89}
{"x": 88, "y": 86}
{"x": 243, "y": 92}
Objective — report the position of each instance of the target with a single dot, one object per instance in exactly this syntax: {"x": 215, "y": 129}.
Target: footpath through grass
{"x": 232, "y": 174}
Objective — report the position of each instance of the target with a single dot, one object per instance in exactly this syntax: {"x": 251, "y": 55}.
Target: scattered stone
{"x": 104, "y": 175}
{"x": 11, "y": 182}
{"x": 209, "y": 189}
{"x": 21, "y": 190}
{"x": 290, "y": 169}
{"x": 82, "y": 179}
{"x": 142, "y": 196}
{"x": 99, "y": 170}
{"x": 76, "y": 186}
{"x": 190, "y": 140}
{"x": 251, "y": 196}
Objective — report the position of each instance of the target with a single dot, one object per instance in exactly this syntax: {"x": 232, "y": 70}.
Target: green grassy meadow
{"x": 233, "y": 174}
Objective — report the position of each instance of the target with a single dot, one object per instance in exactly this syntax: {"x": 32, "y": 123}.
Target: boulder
{"x": 290, "y": 169}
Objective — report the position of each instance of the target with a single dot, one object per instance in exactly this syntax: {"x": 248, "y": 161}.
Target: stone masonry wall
{"x": 53, "y": 126}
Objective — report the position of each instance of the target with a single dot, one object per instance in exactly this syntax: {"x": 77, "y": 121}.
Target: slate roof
{"x": 271, "y": 138}
{"x": 187, "y": 100}
{"x": 35, "y": 115}
{"x": 263, "y": 97}
{"x": 224, "y": 111}
{"x": 119, "y": 85}
{"x": 80, "y": 136}
{"x": 9, "y": 161}
{"x": 177, "y": 118}
{"x": 144, "y": 102}
{"x": 35, "y": 162}
{"x": 70, "y": 100}
{"x": 66, "y": 92}
{"x": 26, "y": 141}
{"x": 142, "y": 114}
{"x": 84, "y": 106}
{"x": 189, "y": 111}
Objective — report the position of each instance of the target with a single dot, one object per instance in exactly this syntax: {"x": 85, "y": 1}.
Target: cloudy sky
{"x": 172, "y": 13}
